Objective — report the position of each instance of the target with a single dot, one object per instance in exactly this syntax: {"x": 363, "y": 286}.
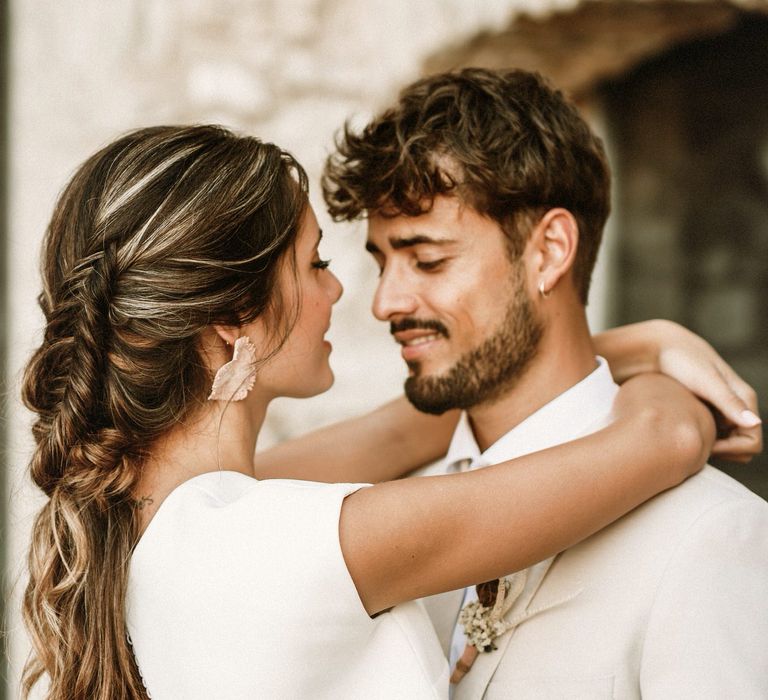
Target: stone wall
{"x": 579, "y": 46}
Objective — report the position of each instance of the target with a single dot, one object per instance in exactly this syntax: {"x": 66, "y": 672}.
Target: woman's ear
{"x": 554, "y": 239}
{"x": 229, "y": 334}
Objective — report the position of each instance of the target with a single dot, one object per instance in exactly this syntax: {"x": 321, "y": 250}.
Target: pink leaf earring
{"x": 235, "y": 379}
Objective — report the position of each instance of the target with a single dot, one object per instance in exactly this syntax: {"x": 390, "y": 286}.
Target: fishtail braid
{"x": 159, "y": 235}
{"x": 87, "y": 466}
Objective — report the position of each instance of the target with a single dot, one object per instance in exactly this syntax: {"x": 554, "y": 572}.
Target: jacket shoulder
{"x": 700, "y": 493}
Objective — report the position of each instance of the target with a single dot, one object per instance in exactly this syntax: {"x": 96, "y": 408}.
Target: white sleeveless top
{"x": 238, "y": 590}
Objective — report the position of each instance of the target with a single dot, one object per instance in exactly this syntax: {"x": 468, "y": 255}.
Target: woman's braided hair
{"x": 160, "y": 234}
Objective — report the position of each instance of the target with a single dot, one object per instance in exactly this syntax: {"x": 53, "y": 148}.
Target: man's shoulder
{"x": 709, "y": 520}
{"x": 709, "y": 501}
{"x": 706, "y": 490}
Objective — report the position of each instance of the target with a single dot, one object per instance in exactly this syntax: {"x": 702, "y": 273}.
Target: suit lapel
{"x": 475, "y": 683}
{"x": 443, "y": 609}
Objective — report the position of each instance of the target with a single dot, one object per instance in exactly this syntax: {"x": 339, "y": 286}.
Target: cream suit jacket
{"x": 670, "y": 602}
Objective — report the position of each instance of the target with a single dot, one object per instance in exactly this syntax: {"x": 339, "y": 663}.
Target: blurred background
{"x": 678, "y": 90}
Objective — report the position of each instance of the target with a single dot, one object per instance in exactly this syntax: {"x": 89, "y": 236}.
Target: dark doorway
{"x": 690, "y": 133}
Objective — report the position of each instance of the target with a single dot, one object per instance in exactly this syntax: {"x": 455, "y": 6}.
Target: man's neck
{"x": 565, "y": 356}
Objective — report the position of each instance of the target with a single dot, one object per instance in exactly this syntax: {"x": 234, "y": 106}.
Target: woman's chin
{"x": 318, "y": 385}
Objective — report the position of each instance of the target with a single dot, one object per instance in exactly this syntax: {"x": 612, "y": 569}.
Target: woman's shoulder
{"x": 225, "y": 531}
{"x": 231, "y": 491}
{"x": 227, "y": 509}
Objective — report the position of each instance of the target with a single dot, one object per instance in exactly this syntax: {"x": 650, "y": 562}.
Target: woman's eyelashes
{"x": 320, "y": 264}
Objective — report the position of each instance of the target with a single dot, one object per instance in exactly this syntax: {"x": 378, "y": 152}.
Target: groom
{"x": 486, "y": 195}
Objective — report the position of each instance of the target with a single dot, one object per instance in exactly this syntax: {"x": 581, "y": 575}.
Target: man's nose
{"x": 393, "y": 297}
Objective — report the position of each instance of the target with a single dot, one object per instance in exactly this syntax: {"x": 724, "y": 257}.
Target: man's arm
{"x": 708, "y": 634}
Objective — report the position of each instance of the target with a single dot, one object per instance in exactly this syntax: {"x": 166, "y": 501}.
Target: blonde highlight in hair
{"x": 157, "y": 236}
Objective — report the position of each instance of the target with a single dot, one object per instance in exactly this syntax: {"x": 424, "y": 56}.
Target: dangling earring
{"x": 544, "y": 295}
{"x": 235, "y": 379}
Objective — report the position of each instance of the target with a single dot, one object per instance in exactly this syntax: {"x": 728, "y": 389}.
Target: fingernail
{"x": 750, "y": 419}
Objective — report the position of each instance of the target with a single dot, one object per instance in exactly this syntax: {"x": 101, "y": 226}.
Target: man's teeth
{"x": 420, "y": 341}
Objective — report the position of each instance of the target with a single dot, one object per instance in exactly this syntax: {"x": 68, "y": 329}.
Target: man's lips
{"x": 416, "y": 337}
{"x": 417, "y": 342}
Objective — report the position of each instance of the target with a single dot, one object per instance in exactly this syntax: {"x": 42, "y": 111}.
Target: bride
{"x": 183, "y": 291}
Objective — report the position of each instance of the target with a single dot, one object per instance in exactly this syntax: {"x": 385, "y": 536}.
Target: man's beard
{"x": 488, "y": 371}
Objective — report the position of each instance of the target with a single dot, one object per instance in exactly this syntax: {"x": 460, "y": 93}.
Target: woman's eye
{"x": 321, "y": 264}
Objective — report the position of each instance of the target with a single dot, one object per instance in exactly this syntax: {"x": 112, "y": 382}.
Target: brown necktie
{"x": 496, "y": 600}
{"x": 486, "y": 593}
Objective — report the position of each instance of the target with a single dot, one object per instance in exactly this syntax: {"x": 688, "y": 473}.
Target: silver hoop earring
{"x": 544, "y": 295}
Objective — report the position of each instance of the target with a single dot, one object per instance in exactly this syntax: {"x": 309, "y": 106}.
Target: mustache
{"x": 409, "y": 324}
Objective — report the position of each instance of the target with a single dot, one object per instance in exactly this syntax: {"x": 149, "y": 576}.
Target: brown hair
{"x": 160, "y": 234}
{"x": 503, "y": 141}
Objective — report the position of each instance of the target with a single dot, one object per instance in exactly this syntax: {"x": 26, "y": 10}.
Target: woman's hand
{"x": 669, "y": 348}
{"x": 695, "y": 363}
{"x": 673, "y": 409}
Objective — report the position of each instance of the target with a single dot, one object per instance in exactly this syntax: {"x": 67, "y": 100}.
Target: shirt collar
{"x": 583, "y": 408}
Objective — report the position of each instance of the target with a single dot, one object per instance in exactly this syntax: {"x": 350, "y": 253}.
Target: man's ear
{"x": 553, "y": 245}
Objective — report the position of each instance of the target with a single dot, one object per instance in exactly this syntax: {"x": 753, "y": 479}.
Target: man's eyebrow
{"x": 400, "y": 243}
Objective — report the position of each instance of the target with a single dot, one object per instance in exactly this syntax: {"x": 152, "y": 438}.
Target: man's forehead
{"x": 448, "y": 222}
{"x": 407, "y": 232}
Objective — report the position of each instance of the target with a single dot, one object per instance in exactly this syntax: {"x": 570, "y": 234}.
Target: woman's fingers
{"x": 743, "y": 405}
{"x": 739, "y": 446}
{"x": 731, "y": 405}
{"x": 729, "y": 394}
{"x": 739, "y": 431}
{"x": 734, "y": 402}
{"x": 745, "y": 439}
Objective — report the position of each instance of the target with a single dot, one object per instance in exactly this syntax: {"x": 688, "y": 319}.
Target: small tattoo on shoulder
{"x": 141, "y": 503}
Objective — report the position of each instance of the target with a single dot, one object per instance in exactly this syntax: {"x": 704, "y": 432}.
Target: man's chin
{"x": 422, "y": 371}
{"x": 425, "y": 400}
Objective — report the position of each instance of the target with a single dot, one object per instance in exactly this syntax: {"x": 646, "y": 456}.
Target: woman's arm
{"x": 406, "y": 539}
{"x": 378, "y": 446}
{"x": 669, "y": 348}
{"x": 396, "y": 438}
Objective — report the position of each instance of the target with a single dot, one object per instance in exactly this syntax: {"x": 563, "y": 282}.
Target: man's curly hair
{"x": 504, "y": 142}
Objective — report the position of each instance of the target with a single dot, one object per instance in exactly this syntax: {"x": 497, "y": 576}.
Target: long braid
{"x": 87, "y": 527}
{"x": 159, "y": 235}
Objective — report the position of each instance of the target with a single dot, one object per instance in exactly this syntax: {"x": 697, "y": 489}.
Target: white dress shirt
{"x": 583, "y": 409}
